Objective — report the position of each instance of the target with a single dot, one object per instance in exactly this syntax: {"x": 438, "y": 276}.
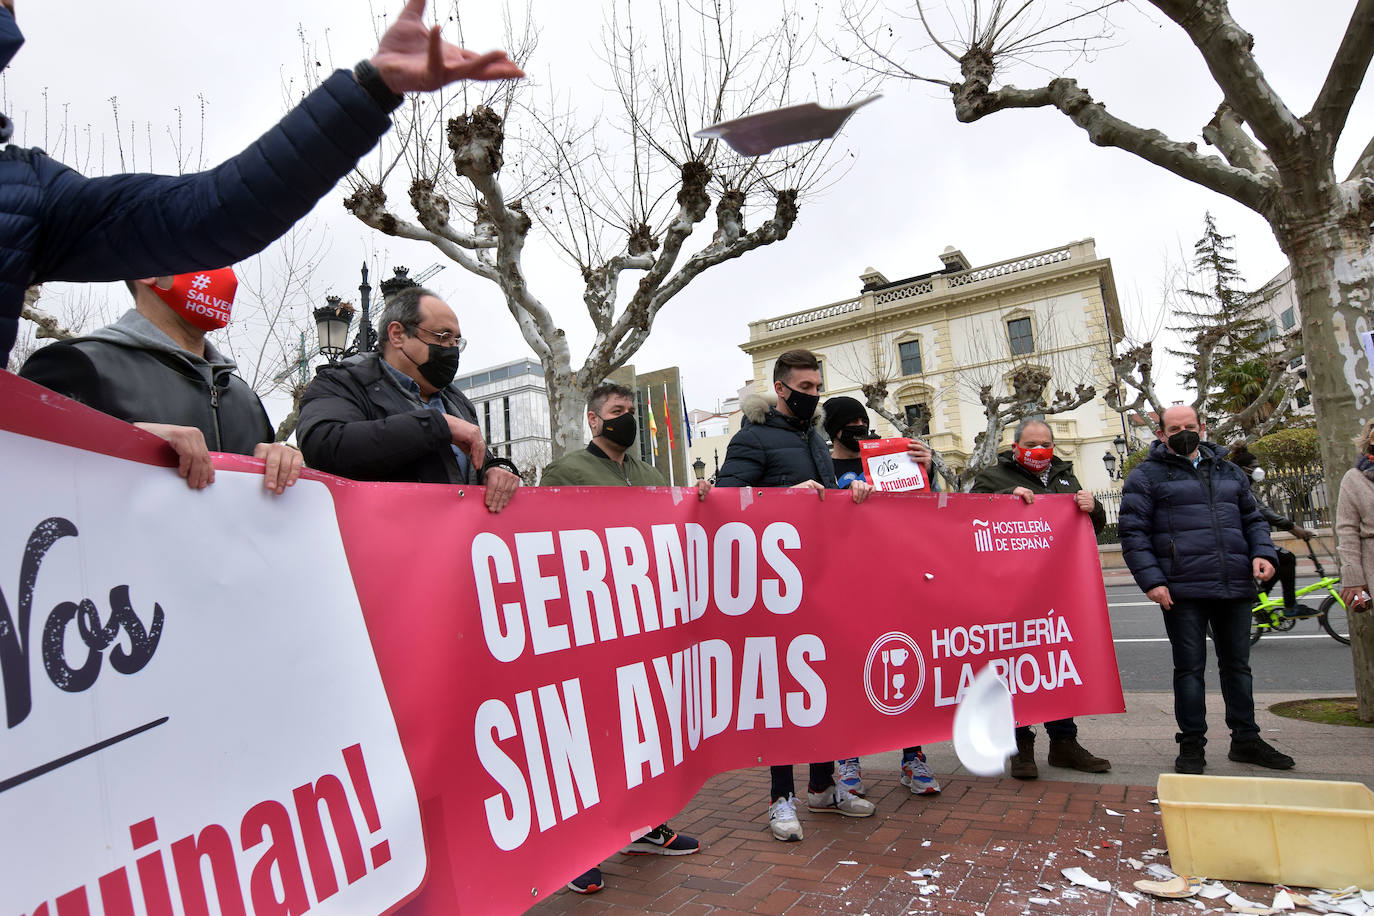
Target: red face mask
{"x": 203, "y": 298}
{"x": 1033, "y": 459}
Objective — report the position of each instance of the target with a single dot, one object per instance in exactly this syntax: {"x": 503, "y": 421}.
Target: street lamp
{"x": 699, "y": 468}
{"x": 1110, "y": 461}
{"x": 332, "y": 321}
{"x": 1119, "y": 443}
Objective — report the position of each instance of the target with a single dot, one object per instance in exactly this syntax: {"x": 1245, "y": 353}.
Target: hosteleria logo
{"x": 1012, "y": 536}
{"x": 982, "y": 536}
{"x": 894, "y": 673}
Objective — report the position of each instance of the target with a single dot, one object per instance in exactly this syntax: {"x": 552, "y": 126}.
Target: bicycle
{"x": 1331, "y": 614}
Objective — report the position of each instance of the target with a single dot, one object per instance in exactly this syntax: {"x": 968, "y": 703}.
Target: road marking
{"x": 1267, "y": 637}
{"x": 1131, "y": 604}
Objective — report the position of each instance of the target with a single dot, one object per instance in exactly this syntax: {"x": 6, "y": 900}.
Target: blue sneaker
{"x": 850, "y": 776}
{"x": 916, "y": 774}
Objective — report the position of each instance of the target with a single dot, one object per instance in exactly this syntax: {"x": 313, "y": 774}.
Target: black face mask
{"x": 441, "y": 366}
{"x": 803, "y": 406}
{"x": 621, "y": 430}
{"x": 1184, "y": 442}
{"x": 850, "y": 436}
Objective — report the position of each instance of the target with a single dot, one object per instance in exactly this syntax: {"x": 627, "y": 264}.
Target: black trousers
{"x": 1287, "y": 575}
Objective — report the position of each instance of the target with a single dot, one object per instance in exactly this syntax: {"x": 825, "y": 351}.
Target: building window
{"x": 505, "y": 418}
{"x": 1021, "y": 337}
{"x": 918, "y": 419}
{"x": 486, "y": 420}
{"x": 910, "y": 353}
{"x": 1295, "y": 362}
{"x": 1288, "y": 319}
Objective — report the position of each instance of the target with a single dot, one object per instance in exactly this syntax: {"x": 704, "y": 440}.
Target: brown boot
{"x": 1023, "y": 761}
{"x": 1067, "y": 752}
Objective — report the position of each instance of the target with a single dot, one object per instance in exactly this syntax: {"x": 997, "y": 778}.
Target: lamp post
{"x": 332, "y": 321}
{"x": 717, "y": 455}
{"x": 699, "y": 468}
{"x": 367, "y": 335}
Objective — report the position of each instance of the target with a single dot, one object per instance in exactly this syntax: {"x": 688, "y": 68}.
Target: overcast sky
{"x": 1014, "y": 183}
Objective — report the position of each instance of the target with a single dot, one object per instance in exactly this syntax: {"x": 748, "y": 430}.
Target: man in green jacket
{"x": 1028, "y": 469}
{"x": 607, "y": 462}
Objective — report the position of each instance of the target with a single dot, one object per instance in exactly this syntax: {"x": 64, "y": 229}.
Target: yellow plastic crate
{"x": 1301, "y": 832}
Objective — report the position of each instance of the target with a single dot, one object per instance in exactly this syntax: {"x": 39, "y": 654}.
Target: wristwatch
{"x": 370, "y": 78}
{"x": 496, "y": 462}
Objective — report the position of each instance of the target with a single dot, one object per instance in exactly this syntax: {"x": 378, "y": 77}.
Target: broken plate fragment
{"x": 1177, "y": 887}
{"x": 1078, "y": 876}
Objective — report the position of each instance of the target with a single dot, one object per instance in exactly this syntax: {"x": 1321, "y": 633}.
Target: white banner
{"x": 194, "y": 719}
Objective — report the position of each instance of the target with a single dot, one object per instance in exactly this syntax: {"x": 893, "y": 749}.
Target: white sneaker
{"x": 839, "y": 800}
{"x": 782, "y": 820}
{"x": 917, "y": 777}
{"x": 850, "y": 776}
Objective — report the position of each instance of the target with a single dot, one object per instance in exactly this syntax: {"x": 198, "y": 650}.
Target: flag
{"x": 653, "y": 426}
{"x": 668, "y": 419}
{"x": 687, "y": 422}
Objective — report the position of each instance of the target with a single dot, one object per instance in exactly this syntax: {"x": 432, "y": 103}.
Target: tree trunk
{"x": 1333, "y": 272}
{"x": 567, "y": 412}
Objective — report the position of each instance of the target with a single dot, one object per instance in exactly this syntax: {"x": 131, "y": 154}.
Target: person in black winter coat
{"x": 56, "y": 224}
{"x": 395, "y": 414}
{"x": 1287, "y": 565}
{"x": 779, "y": 446}
{"x": 1195, "y": 541}
{"x": 1029, "y": 469}
{"x": 155, "y": 369}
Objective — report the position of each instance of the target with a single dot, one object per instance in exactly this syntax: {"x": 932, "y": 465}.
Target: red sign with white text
{"x": 568, "y": 673}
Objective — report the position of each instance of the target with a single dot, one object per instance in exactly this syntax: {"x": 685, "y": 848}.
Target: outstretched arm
{"x": 413, "y": 57}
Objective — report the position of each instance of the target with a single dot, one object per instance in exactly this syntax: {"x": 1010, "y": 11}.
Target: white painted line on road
{"x": 1266, "y": 638}
{"x": 1131, "y": 604}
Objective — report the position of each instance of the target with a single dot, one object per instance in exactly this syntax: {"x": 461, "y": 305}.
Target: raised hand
{"x": 414, "y": 57}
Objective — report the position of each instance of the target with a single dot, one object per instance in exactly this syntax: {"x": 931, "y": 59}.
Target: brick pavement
{"x": 989, "y": 842}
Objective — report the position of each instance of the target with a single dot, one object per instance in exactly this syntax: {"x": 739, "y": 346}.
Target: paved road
{"x": 1303, "y": 659}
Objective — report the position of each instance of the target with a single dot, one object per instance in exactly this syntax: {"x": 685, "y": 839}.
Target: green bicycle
{"x": 1331, "y": 614}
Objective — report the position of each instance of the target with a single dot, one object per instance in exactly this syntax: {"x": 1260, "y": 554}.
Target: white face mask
{"x": 1257, "y": 475}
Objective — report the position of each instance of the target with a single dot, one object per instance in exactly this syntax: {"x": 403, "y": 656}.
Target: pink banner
{"x": 568, "y": 673}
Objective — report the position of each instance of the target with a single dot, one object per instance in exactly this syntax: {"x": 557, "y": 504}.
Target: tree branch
{"x": 1343, "y": 80}
{"x": 368, "y": 204}
{"x": 1104, "y": 129}
{"x": 49, "y": 328}
{"x": 1227, "y": 49}
{"x": 1227, "y": 133}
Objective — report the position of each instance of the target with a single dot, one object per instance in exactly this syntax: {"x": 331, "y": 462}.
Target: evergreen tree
{"x": 1224, "y": 326}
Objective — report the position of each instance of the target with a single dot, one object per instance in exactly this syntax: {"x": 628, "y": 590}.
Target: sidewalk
{"x": 990, "y": 843}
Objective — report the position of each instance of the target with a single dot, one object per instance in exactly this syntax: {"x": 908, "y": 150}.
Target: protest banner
{"x": 562, "y": 676}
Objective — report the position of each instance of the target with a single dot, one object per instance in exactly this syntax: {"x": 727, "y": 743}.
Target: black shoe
{"x": 1255, "y": 750}
{"x": 1300, "y": 610}
{"x": 589, "y": 882}
{"x": 1191, "y": 758}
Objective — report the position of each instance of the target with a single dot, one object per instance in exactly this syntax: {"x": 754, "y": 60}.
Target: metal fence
{"x": 1298, "y": 494}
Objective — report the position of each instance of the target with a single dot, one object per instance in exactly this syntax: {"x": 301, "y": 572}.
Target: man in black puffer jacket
{"x": 1195, "y": 541}
{"x": 58, "y": 225}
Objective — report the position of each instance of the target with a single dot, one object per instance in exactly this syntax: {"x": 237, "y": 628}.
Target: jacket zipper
{"x": 214, "y": 408}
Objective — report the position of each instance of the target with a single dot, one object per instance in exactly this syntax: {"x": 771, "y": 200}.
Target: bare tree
{"x": 1273, "y": 160}
{"x": 619, "y": 198}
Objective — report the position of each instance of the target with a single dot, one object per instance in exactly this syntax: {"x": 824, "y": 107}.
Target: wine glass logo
{"x": 895, "y": 673}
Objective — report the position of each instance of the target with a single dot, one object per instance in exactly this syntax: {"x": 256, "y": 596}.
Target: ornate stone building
{"x": 938, "y": 338}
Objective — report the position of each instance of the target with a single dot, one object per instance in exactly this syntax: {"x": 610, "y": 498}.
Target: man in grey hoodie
{"x": 155, "y": 369}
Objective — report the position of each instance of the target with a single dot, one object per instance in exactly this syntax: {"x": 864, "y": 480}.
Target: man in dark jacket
{"x": 58, "y": 225}
{"x": 1195, "y": 542}
{"x": 155, "y": 369}
{"x": 1029, "y": 469}
{"x": 778, "y": 446}
{"x": 1287, "y": 565}
{"x": 395, "y": 414}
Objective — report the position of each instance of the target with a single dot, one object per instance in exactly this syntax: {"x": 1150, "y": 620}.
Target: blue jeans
{"x": 1186, "y": 623}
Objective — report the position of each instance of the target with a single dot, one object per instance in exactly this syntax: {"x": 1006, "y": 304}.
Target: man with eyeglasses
{"x": 395, "y": 414}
